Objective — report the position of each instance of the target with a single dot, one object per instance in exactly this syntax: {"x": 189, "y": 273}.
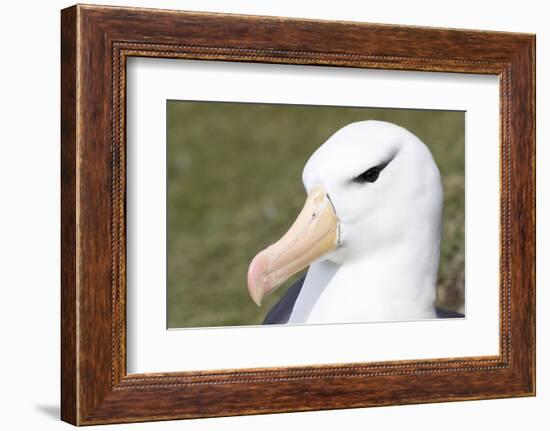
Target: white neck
{"x": 392, "y": 284}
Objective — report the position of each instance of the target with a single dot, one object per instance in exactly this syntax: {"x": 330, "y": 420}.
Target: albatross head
{"x": 373, "y": 187}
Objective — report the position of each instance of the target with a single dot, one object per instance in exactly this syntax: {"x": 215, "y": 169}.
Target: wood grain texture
{"x": 96, "y": 41}
{"x": 69, "y": 397}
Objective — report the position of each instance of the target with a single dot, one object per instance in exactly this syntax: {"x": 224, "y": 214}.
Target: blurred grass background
{"x": 234, "y": 187}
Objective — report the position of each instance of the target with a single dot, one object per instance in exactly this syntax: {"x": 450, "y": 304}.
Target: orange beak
{"x": 312, "y": 235}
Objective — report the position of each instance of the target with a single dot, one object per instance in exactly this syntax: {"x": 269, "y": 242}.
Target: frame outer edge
{"x": 533, "y": 54}
{"x": 87, "y": 396}
{"x": 532, "y": 83}
{"x": 523, "y": 249}
{"x": 69, "y": 200}
{"x": 530, "y": 63}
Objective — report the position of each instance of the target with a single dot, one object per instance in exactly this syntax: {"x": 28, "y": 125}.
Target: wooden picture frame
{"x": 95, "y": 43}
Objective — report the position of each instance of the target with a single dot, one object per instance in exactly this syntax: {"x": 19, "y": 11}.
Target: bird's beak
{"x": 313, "y": 234}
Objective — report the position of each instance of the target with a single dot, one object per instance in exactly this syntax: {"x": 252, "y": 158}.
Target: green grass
{"x": 234, "y": 186}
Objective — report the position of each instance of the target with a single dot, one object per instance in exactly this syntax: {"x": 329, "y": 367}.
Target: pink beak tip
{"x": 256, "y": 272}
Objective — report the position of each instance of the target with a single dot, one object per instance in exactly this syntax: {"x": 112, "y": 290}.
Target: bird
{"x": 369, "y": 233}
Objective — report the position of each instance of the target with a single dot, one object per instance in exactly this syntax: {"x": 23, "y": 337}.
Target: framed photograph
{"x": 264, "y": 215}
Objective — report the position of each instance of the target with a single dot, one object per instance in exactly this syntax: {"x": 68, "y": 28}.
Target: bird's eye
{"x": 369, "y": 176}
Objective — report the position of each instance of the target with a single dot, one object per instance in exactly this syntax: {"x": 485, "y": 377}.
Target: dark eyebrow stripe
{"x": 380, "y": 167}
